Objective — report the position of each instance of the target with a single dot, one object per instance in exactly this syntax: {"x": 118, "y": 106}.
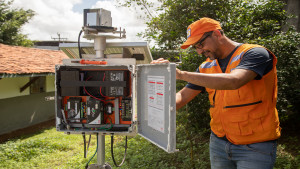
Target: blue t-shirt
{"x": 256, "y": 59}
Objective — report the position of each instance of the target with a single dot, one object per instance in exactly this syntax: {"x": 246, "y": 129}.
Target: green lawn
{"x": 52, "y": 150}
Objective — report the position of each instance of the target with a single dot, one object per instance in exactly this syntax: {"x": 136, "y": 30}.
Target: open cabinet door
{"x": 156, "y": 106}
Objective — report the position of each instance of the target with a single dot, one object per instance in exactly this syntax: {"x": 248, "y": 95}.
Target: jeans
{"x": 225, "y": 155}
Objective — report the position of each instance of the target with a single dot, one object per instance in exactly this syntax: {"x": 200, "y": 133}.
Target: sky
{"x": 66, "y": 18}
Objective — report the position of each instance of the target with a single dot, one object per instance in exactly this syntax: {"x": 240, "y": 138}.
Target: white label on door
{"x": 156, "y": 102}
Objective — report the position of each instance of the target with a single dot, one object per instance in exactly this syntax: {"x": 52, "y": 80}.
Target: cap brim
{"x": 190, "y": 41}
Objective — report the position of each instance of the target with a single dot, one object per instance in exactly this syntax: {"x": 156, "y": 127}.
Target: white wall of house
{"x": 50, "y": 83}
{"x": 10, "y": 87}
{"x": 22, "y": 109}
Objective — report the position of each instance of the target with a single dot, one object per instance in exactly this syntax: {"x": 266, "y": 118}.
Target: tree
{"x": 11, "y": 21}
{"x": 246, "y": 21}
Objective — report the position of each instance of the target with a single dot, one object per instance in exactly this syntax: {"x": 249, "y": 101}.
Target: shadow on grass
{"x": 27, "y": 132}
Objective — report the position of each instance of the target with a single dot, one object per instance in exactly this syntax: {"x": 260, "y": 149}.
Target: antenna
{"x": 59, "y": 38}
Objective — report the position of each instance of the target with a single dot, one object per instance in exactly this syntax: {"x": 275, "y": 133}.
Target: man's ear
{"x": 217, "y": 32}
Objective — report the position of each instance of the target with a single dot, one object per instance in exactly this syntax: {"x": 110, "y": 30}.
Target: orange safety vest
{"x": 248, "y": 114}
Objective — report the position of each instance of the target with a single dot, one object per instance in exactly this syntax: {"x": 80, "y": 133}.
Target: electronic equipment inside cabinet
{"x": 94, "y": 98}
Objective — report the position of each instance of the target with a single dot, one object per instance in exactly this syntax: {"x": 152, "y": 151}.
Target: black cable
{"x": 87, "y": 149}
{"x": 112, "y": 151}
{"x": 84, "y": 145}
{"x": 79, "y": 49}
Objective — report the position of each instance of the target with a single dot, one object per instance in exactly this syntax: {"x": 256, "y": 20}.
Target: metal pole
{"x": 100, "y": 46}
{"x": 101, "y": 150}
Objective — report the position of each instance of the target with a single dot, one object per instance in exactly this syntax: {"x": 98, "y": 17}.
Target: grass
{"x": 50, "y": 149}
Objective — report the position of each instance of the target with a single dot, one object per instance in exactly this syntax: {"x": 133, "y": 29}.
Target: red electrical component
{"x": 91, "y": 62}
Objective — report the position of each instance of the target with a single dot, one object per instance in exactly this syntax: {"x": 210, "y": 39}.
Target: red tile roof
{"x": 23, "y": 60}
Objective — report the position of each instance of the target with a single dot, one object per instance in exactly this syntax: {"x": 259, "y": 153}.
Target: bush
{"x": 242, "y": 21}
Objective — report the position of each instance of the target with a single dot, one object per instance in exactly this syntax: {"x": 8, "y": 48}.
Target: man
{"x": 241, "y": 81}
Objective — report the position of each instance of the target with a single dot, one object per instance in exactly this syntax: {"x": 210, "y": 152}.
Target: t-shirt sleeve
{"x": 258, "y": 60}
{"x": 195, "y": 87}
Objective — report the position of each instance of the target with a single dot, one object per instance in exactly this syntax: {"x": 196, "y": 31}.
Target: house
{"x": 26, "y": 86}
{"x": 52, "y": 45}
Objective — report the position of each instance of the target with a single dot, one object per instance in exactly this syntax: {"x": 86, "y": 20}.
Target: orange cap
{"x": 196, "y": 30}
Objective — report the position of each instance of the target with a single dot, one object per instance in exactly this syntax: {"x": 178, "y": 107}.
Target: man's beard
{"x": 210, "y": 55}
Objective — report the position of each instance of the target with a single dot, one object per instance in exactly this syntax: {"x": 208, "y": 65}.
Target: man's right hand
{"x": 160, "y": 60}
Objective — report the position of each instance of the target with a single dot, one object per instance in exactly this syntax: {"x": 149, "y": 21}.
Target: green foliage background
{"x": 245, "y": 21}
{"x": 11, "y": 21}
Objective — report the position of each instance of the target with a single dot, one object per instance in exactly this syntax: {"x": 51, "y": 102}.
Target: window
{"x": 38, "y": 86}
